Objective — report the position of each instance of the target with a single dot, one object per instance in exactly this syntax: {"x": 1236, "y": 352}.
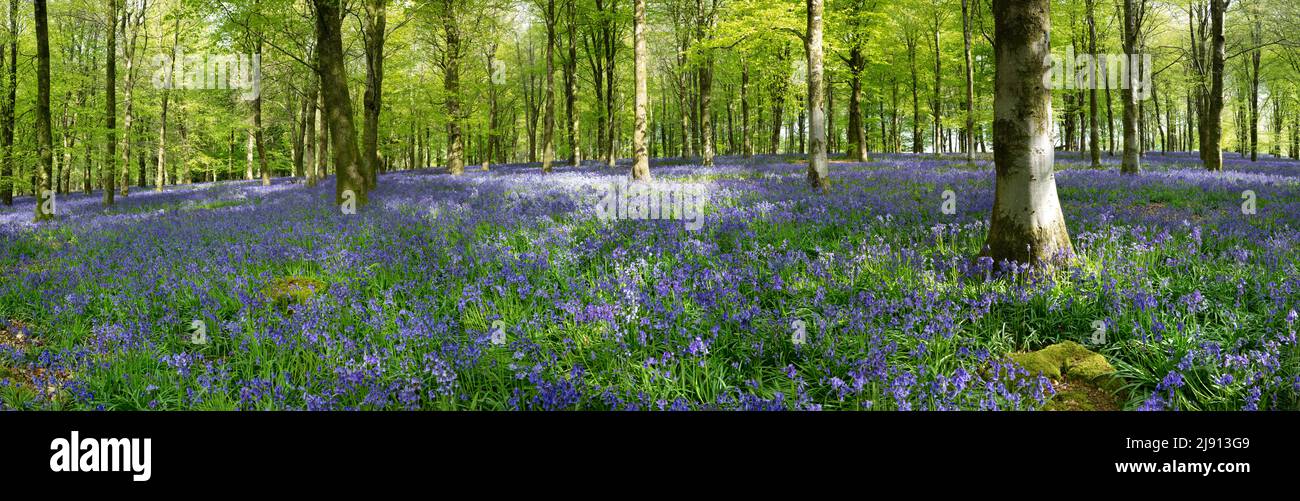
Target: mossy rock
{"x": 1084, "y": 380}
{"x": 287, "y": 291}
{"x": 1066, "y": 359}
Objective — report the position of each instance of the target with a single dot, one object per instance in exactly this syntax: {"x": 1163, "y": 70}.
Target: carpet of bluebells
{"x": 395, "y": 307}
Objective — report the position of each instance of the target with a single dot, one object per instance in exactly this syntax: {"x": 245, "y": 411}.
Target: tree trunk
{"x": 250, "y": 153}
{"x": 831, "y": 136}
{"x": 548, "y": 122}
{"x": 611, "y": 90}
{"x": 309, "y": 145}
{"x": 258, "y": 136}
{"x": 704, "y": 21}
{"x": 1026, "y": 224}
{"x": 374, "y": 26}
{"x": 1254, "y": 93}
{"x": 109, "y": 170}
{"x": 1277, "y": 127}
{"x": 44, "y": 139}
{"x": 7, "y": 111}
{"x": 937, "y": 107}
{"x": 918, "y": 144}
{"x": 857, "y": 132}
{"x": 747, "y": 143}
{"x": 968, "y": 142}
{"x": 818, "y": 169}
{"x": 1212, "y": 123}
{"x": 451, "y": 87}
{"x": 348, "y": 177}
{"x": 131, "y": 31}
{"x": 160, "y": 179}
{"x": 300, "y": 139}
{"x": 640, "y": 158}
{"x": 1130, "y": 163}
{"x": 570, "y": 85}
{"x": 688, "y": 141}
{"x": 1094, "y": 139}
{"x": 322, "y": 135}
{"x": 1110, "y": 116}
{"x": 494, "y": 152}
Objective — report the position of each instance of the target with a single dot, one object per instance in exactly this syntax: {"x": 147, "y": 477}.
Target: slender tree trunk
{"x": 704, "y": 21}
{"x": 494, "y": 121}
{"x": 1278, "y": 139}
{"x": 110, "y": 107}
{"x": 918, "y": 143}
{"x": 640, "y": 158}
{"x": 571, "y": 84}
{"x": 611, "y": 90}
{"x": 7, "y": 111}
{"x": 1094, "y": 140}
{"x": 451, "y": 86}
{"x": 300, "y": 138}
{"x": 688, "y": 141}
{"x": 374, "y": 24}
{"x": 548, "y": 122}
{"x": 857, "y": 132}
{"x": 937, "y": 107}
{"x": 1254, "y": 92}
{"x": 968, "y": 142}
{"x": 1212, "y": 124}
{"x": 250, "y": 153}
{"x": 747, "y": 142}
{"x": 309, "y": 145}
{"x": 128, "y": 35}
{"x": 44, "y": 139}
{"x": 1027, "y": 224}
{"x": 731, "y": 120}
{"x": 1131, "y": 163}
{"x": 818, "y": 168}
{"x": 322, "y": 136}
{"x": 1110, "y": 116}
{"x": 160, "y": 179}
{"x": 1295, "y": 135}
{"x": 258, "y": 135}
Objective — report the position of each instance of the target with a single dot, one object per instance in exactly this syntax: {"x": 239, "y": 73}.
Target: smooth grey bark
{"x": 818, "y": 168}
{"x": 1026, "y": 224}
{"x": 640, "y": 157}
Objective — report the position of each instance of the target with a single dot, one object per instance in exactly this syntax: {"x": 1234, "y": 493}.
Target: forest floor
{"x": 504, "y": 289}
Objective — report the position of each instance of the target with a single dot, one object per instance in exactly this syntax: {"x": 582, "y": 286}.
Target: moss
{"x": 1068, "y": 359}
{"x": 1071, "y": 400}
{"x": 286, "y": 291}
{"x": 1075, "y": 395}
{"x": 1084, "y": 379}
{"x": 1036, "y": 362}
